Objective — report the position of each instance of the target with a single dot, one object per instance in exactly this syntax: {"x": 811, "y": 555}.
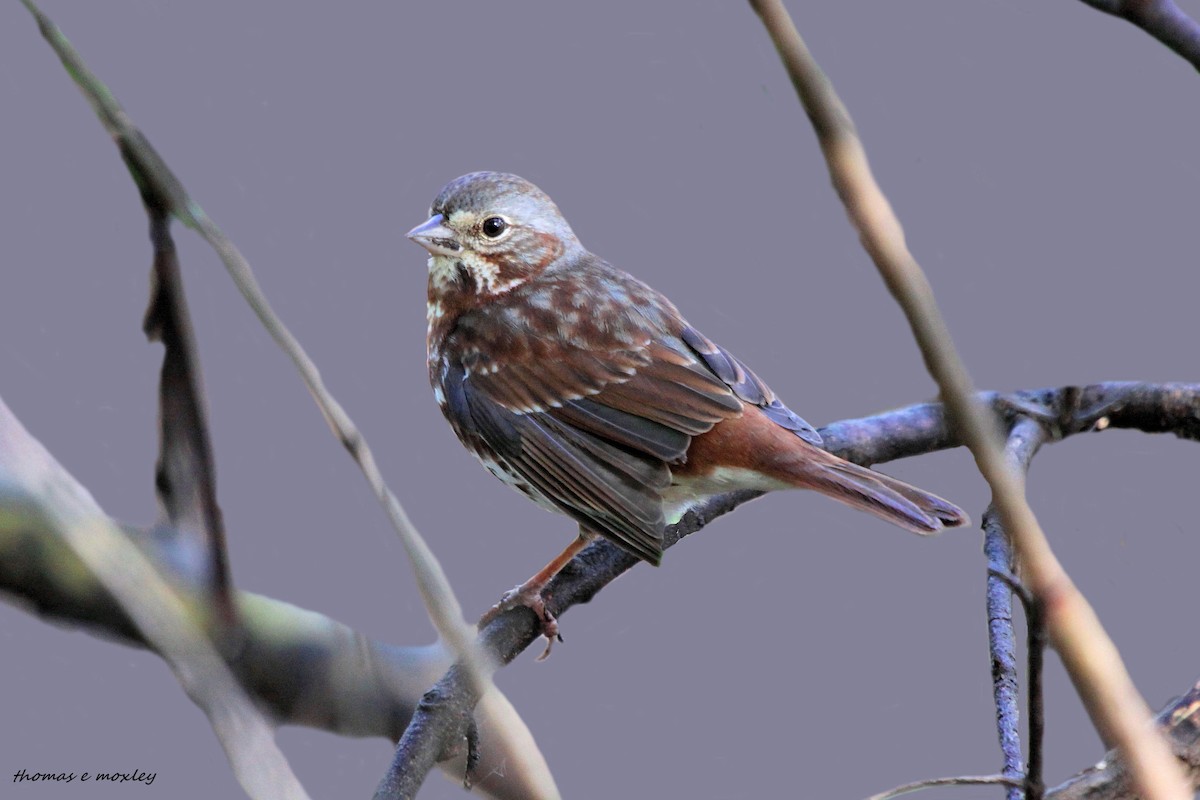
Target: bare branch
{"x": 1113, "y": 702}
{"x": 1024, "y": 440}
{"x": 1108, "y": 780}
{"x": 300, "y": 666}
{"x": 350, "y": 684}
{"x": 155, "y": 178}
{"x": 151, "y": 173}
{"x": 154, "y": 609}
{"x": 1162, "y": 19}
{"x": 441, "y": 718}
{"x": 933, "y": 783}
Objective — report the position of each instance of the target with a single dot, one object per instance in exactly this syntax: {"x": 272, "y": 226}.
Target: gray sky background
{"x": 1042, "y": 157}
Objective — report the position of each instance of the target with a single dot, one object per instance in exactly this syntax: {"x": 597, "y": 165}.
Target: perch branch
{"x": 1162, "y": 19}
{"x": 355, "y": 686}
{"x": 1154, "y": 408}
{"x": 1089, "y": 655}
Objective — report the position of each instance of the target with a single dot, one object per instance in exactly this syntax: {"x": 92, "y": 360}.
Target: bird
{"x": 588, "y": 391}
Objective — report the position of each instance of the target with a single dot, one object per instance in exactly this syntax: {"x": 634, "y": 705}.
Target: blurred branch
{"x": 165, "y": 194}
{"x": 1162, "y": 19}
{"x": 153, "y": 177}
{"x": 1089, "y": 655}
{"x": 184, "y": 475}
{"x": 441, "y": 718}
{"x": 67, "y": 516}
{"x": 299, "y": 666}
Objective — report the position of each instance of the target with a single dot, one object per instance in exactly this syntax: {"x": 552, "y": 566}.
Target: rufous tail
{"x": 882, "y": 495}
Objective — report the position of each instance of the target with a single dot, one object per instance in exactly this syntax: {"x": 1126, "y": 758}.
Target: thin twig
{"x": 933, "y": 783}
{"x": 1035, "y": 644}
{"x": 153, "y": 176}
{"x": 1035, "y": 640}
{"x": 1162, "y": 19}
{"x": 1113, "y": 702}
{"x": 1026, "y": 436}
{"x": 149, "y": 170}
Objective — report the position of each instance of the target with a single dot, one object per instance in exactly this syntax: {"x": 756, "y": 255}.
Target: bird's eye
{"x": 493, "y": 227}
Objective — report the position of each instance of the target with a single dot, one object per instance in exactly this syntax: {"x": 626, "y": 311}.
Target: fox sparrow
{"x": 585, "y": 389}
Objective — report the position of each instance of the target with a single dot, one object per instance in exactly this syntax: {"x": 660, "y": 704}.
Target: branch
{"x": 1108, "y": 780}
{"x": 300, "y": 667}
{"x": 1024, "y": 440}
{"x": 1089, "y": 655}
{"x": 49, "y": 500}
{"x": 152, "y": 175}
{"x": 1162, "y": 19}
{"x": 933, "y": 783}
{"x": 165, "y": 194}
{"x": 441, "y": 718}
{"x": 307, "y": 669}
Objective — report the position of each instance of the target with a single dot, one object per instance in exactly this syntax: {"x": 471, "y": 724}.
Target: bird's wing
{"x": 746, "y": 385}
{"x": 593, "y": 428}
{"x": 605, "y": 489}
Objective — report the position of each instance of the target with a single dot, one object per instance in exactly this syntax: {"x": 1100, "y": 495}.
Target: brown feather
{"x": 756, "y": 443}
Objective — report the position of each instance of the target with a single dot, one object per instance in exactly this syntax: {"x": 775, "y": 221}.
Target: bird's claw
{"x": 530, "y": 597}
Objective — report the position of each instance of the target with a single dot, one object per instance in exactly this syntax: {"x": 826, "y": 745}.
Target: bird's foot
{"x": 530, "y": 597}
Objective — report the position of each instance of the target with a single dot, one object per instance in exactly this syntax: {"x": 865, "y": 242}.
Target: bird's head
{"x": 489, "y": 232}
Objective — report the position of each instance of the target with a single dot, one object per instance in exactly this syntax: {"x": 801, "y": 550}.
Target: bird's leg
{"x": 529, "y": 593}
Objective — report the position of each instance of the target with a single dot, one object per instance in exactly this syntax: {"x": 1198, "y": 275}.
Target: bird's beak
{"x": 435, "y": 237}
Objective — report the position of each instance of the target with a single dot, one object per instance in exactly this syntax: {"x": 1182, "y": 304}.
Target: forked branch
{"x": 441, "y": 718}
{"x": 1089, "y": 655}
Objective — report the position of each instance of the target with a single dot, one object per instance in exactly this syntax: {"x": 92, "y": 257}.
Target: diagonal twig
{"x": 152, "y": 174}
{"x": 1113, "y": 702}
